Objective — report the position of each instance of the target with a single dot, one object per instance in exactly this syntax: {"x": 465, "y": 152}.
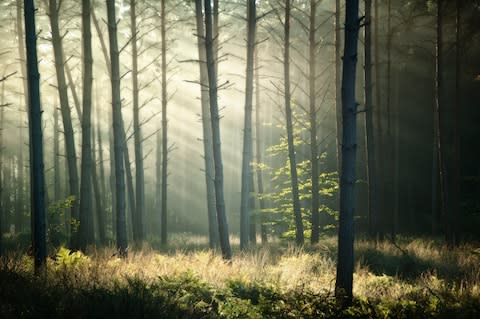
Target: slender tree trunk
{"x": 438, "y": 123}
{"x": 137, "y": 133}
{"x": 345, "y": 263}
{"x": 71, "y": 84}
{"x": 207, "y": 129}
{"x": 164, "y": 126}
{"x": 338, "y": 93}
{"x": 36, "y": 141}
{"x": 369, "y": 131}
{"x": 314, "y": 160}
{"x": 66, "y": 116}
{"x": 299, "y": 238}
{"x": 96, "y": 182}
{"x": 217, "y": 152}
{"x": 247, "y": 128}
{"x": 118, "y": 133}
{"x": 158, "y": 175}
{"x": 2, "y": 180}
{"x": 86, "y": 235}
{"x": 56, "y": 157}
{"x": 252, "y": 234}
{"x": 101, "y": 180}
{"x": 258, "y": 151}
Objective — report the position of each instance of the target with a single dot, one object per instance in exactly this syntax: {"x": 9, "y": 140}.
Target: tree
{"x": 369, "y": 130}
{"x": 86, "y": 234}
{"x": 207, "y": 129}
{"x": 164, "y": 126}
{"x": 299, "y": 237}
{"x": 118, "y": 132}
{"x": 344, "y": 278}
{"x": 36, "y": 141}
{"x": 247, "y": 127}
{"x": 53, "y": 14}
{"x": 215, "y": 119}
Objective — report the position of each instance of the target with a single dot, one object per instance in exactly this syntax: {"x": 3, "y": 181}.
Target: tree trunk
{"x": 314, "y": 160}
{"x": 207, "y": 129}
{"x": 247, "y": 127}
{"x": 345, "y": 263}
{"x": 36, "y": 141}
{"x": 66, "y": 116}
{"x": 100, "y": 213}
{"x": 86, "y": 233}
{"x": 338, "y": 93}
{"x": 299, "y": 238}
{"x": 369, "y": 131}
{"x": 118, "y": 133}
{"x": 102, "y": 188}
{"x": 217, "y": 152}
{"x": 164, "y": 127}
{"x": 258, "y": 151}
{"x": 137, "y": 134}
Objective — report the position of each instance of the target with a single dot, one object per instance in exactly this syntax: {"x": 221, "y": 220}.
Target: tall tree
{"x": 247, "y": 127}
{"x": 215, "y": 118}
{"x": 137, "y": 133}
{"x": 164, "y": 125}
{"x": 344, "y": 279}
{"x": 207, "y": 129}
{"x": 338, "y": 93}
{"x": 36, "y": 141}
{"x": 369, "y": 130}
{"x": 53, "y": 14}
{"x": 86, "y": 233}
{"x": 299, "y": 237}
{"x": 118, "y": 132}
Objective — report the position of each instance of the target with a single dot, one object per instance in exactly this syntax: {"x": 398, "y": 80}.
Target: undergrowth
{"x": 411, "y": 279}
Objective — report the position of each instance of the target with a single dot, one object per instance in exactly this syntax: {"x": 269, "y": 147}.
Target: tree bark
{"x": 118, "y": 133}
{"x": 207, "y": 129}
{"x": 345, "y": 263}
{"x": 338, "y": 93}
{"x": 215, "y": 119}
{"x": 247, "y": 128}
{"x": 36, "y": 141}
{"x": 299, "y": 237}
{"x": 164, "y": 126}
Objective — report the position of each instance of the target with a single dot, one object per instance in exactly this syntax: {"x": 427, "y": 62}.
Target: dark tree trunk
{"x": 299, "y": 238}
{"x": 369, "y": 130}
{"x": 207, "y": 129}
{"x": 215, "y": 118}
{"x": 247, "y": 128}
{"x": 138, "y": 235}
{"x": 118, "y": 133}
{"x": 36, "y": 141}
{"x": 314, "y": 160}
{"x": 66, "y": 116}
{"x": 344, "y": 279}
{"x": 86, "y": 233}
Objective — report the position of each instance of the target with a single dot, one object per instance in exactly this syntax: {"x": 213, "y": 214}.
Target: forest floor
{"x": 413, "y": 278}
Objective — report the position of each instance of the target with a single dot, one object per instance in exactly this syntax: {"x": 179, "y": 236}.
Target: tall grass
{"x": 417, "y": 277}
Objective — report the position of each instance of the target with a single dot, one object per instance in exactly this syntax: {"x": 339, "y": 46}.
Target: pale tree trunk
{"x": 338, "y": 93}
{"x": 258, "y": 151}
{"x": 345, "y": 263}
{"x": 207, "y": 129}
{"x": 86, "y": 233}
{"x": 314, "y": 160}
{"x": 247, "y": 128}
{"x": 164, "y": 127}
{"x": 299, "y": 237}
{"x": 118, "y": 133}
{"x": 137, "y": 134}
{"x": 36, "y": 141}
{"x": 369, "y": 130}
{"x": 100, "y": 213}
{"x": 217, "y": 152}
{"x": 66, "y": 116}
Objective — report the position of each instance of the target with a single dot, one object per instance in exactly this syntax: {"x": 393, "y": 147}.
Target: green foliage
{"x": 55, "y": 214}
{"x": 67, "y": 259}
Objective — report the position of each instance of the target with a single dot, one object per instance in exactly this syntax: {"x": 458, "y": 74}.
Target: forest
{"x": 239, "y": 159}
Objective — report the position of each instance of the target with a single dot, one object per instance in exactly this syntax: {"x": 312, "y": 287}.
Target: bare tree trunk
{"x": 299, "y": 237}
{"x": 338, "y": 93}
{"x": 258, "y": 151}
{"x": 314, "y": 160}
{"x": 86, "y": 233}
{"x": 66, "y": 116}
{"x": 207, "y": 129}
{"x": 217, "y": 152}
{"x": 118, "y": 133}
{"x": 369, "y": 130}
{"x": 98, "y": 193}
{"x": 36, "y": 141}
{"x": 138, "y": 234}
{"x": 247, "y": 128}
{"x": 344, "y": 279}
